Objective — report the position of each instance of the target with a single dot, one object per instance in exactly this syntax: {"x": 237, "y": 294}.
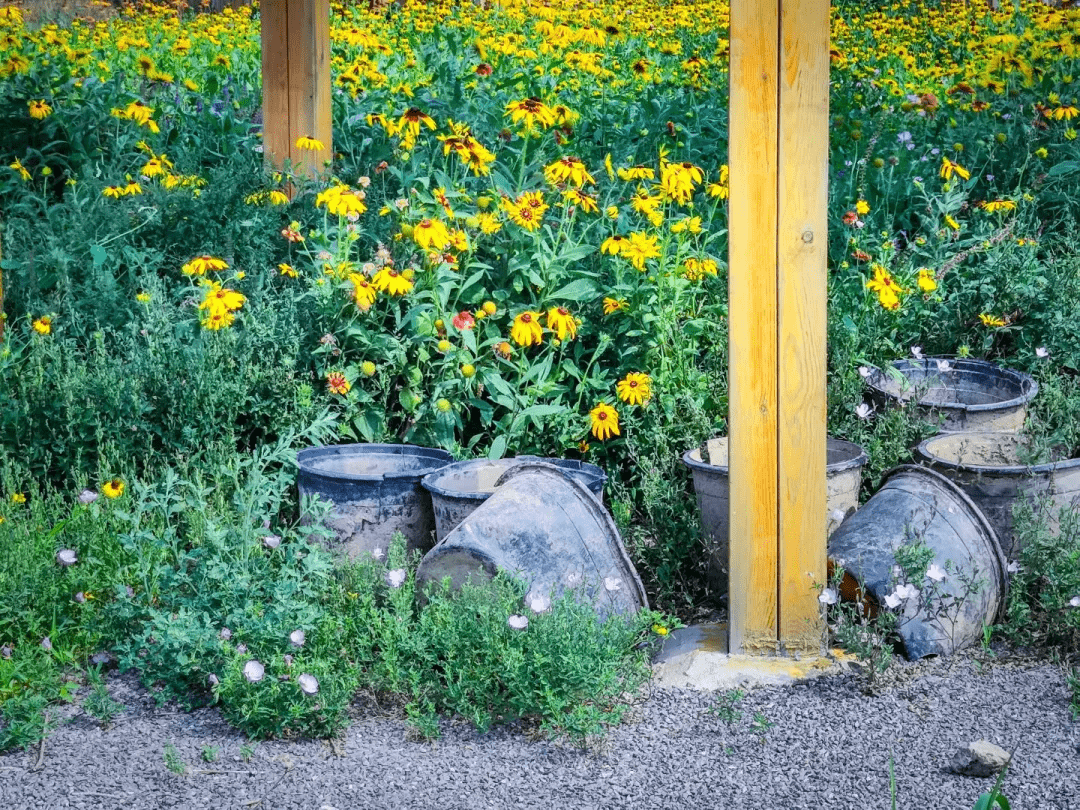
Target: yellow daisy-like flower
{"x": 116, "y": 192}
{"x": 605, "y": 421}
{"x": 390, "y": 281}
{"x": 562, "y": 323}
{"x": 526, "y": 329}
{"x": 694, "y": 269}
{"x": 530, "y": 112}
{"x": 143, "y": 297}
{"x": 200, "y": 264}
{"x": 678, "y": 180}
{"x": 309, "y": 144}
{"x": 287, "y": 270}
{"x": 568, "y": 170}
{"x": 43, "y": 325}
{"x": 131, "y": 189}
{"x": 364, "y": 292}
{"x": 635, "y": 388}
{"x": 431, "y": 234}
{"x": 927, "y": 280}
{"x": 888, "y": 291}
{"x": 992, "y": 320}
{"x": 613, "y": 244}
{"x": 18, "y": 167}
{"x": 585, "y": 202}
{"x": 336, "y": 383}
{"x": 948, "y": 167}
{"x": 952, "y": 223}
{"x": 862, "y": 208}
{"x": 39, "y": 109}
{"x": 637, "y": 173}
{"x": 18, "y": 497}
{"x": 613, "y": 305}
{"x": 276, "y": 197}
{"x": 113, "y": 488}
{"x": 341, "y": 201}
{"x": 639, "y": 248}
{"x": 689, "y": 224}
{"x": 993, "y": 206}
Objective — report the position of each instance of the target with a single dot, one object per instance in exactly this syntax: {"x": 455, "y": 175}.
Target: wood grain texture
{"x": 275, "y": 81}
{"x": 752, "y": 295}
{"x": 802, "y": 240}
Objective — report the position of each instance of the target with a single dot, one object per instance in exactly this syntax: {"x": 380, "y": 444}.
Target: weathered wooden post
{"x": 296, "y": 81}
{"x": 778, "y": 158}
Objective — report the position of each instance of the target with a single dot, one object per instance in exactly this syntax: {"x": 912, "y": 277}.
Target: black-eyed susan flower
{"x": 613, "y": 245}
{"x": 562, "y": 323}
{"x": 992, "y": 321}
{"x": 948, "y": 168}
{"x": 927, "y": 281}
{"x": 635, "y": 388}
{"x": 309, "y": 144}
{"x": 201, "y": 264}
{"x": 568, "y": 170}
{"x": 679, "y": 179}
{"x": 42, "y": 325}
{"x": 638, "y": 172}
{"x": 605, "y": 421}
{"x": 113, "y": 488}
{"x": 431, "y": 234}
{"x": 531, "y": 112}
{"x": 995, "y": 206}
{"x": 287, "y": 270}
{"x": 20, "y": 169}
{"x": 613, "y": 305}
{"x": 526, "y": 329}
{"x": 639, "y": 248}
{"x": 390, "y": 281}
{"x": 39, "y": 109}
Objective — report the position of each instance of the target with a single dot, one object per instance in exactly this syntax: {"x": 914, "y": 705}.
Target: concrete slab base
{"x": 697, "y": 657}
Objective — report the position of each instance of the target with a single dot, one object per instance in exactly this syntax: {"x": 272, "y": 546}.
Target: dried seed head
{"x": 309, "y": 685}
{"x": 297, "y": 638}
{"x": 66, "y": 557}
{"x": 254, "y": 671}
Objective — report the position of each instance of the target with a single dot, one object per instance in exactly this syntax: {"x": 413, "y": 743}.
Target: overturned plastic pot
{"x": 709, "y": 466}
{"x": 547, "y": 529}
{"x": 995, "y": 469}
{"x": 458, "y": 488}
{"x": 964, "y": 394}
{"x": 375, "y": 490}
{"x": 917, "y": 504}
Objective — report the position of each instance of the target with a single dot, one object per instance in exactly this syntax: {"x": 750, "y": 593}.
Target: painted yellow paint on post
{"x": 802, "y": 294}
{"x": 752, "y": 300}
{"x": 778, "y": 157}
{"x": 296, "y": 82}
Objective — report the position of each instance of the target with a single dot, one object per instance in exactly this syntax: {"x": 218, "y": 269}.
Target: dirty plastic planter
{"x": 376, "y": 491}
{"x": 547, "y": 529}
{"x": 915, "y": 502}
{"x": 970, "y": 395}
{"x": 458, "y": 488}
{"x": 988, "y": 467}
{"x": 843, "y": 476}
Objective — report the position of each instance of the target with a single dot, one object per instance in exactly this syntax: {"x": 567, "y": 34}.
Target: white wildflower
{"x": 1014, "y": 567}
{"x": 538, "y": 603}
{"x": 1042, "y": 352}
{"x": 254, "y": 671}
{"x": 87, "y": 497}
{"x": 309, "y": 684}
{"x": 863, "y": 411}
{"x": 378, "y": 553}
{"x": 212, "y": 679}
{"x": 907, "y": 591}
{"x": 46, "y": 643}
{"x": 297, "y": 638}
{"x": 395, "y": 578}
{"x": 916, "y": 352}
{"x": 828, "y": 596}
{"x": 1075, "y": 602}
{"x": 943, "y": 366}
{"x": 935, "y": 572}
{"x": 864, "y": 372}
{"x": 612, "y": 584}
{"x": 225, "y": 634}
{"x": 271, "y": 541}
{"x": 892, "y": 601}
{"x": 66, "y": 557}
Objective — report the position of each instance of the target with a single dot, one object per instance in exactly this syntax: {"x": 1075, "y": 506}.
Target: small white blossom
{"x": 309, "y": 684}
{"x": 395, "y": 578}
{"x": 907, "y": 591}
{"x": 612, "y": 584}
{"x": 66, "y": 557}
{"x": 297, "y": 638}
{"x": 1014, "y": 567}
{"x": 863, "y": 411}
{"x": 80, "y": 597}
{"x": 518, "y": 622}
{"x": 225, "y": 633}
{"x": 916, "y": 352}
{"x": 378, "y": 553}
{"x": 5, "y": 651}
{"x": 828, "y": 596}
{"x": 864, "y": 372}
{"x": 892, "y": 601}
{"x": 573, "y": 579}
{"x": 254, "y": 671}
{"x": 943, "y": 366}
{"x": 935, "y": 572}
{"x": 271, "y": 541}
{"x": 1042, "y": 352}
{"x": 538, "y": 603}
{"x": 46, "y": 643}
{"x": 1075, "y": 602}
{"x": 212, "y": 679}
{"x": 837, "y": 515}
{"x": 87, "y": 497}
{"x": 241, "y": 648}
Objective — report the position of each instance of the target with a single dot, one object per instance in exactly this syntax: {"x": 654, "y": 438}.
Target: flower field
{"x": 519, "y": 247}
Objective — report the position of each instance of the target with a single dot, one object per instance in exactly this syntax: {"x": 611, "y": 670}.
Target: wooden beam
{"x": 778, "y": 157}
{"x": 296, "y": 82}
{"x": 752, "y": 301}
{"x": 802, "y": 287}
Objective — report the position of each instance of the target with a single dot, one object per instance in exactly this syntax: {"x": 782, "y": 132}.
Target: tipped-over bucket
{"x": 458, "y": 488}
{"x": 709, "y": 464}
{"x": 964, "y": 394}
{"x": 375, "y": 489}
{"x": 916, "y": 504}
{"x": 548, "y": 530}
{"x": 995, "y": 469}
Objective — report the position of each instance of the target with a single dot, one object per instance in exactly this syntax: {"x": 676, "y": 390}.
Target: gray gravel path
{"x": 828, "y": 746}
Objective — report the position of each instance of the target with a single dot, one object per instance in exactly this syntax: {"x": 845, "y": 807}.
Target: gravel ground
{"x": 820, "y": 744}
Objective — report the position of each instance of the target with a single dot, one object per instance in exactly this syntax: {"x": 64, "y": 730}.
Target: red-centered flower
{"x": 464, "y": 320}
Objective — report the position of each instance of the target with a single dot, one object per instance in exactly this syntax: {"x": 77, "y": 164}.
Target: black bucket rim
{"x": 923, "y": 452}
{"x": 1027, "y": 384}
{"x": 430, "y": 480}
{"x": 975, "y": 513}
{"x": 305, "y": 457}
{"x": 593, "y": 505}
{"x": 860, "y": 460}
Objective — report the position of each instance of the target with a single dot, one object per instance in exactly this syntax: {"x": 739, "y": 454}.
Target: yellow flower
{"x": 992, "y": 320}
{"x": 1066, "y": 112}
{"x": 143, "y": 297}
{"x": 341, "y": 201}
{"x": 221, "y": 300}
{"x": 276, "y": 197}
{"x": 530, "y": 112}
{"x": 605, "y": 421}
{"x": 1041, "y": 153}
{"x": 678, "y": 180}
{"x": 613, "y": 305}
{"x": 39, "y": 109}
{"x": 690, "y": 224}
{"x": 390, "y": 281}
{"x": 862, "y": 207}
{"x": 637, "y": 173}
{"x": 131, "y": 189}
{"x": 639, "y": 248}
{"x": 888, "y": 291}
{"x": 952, "y": 223}
{"x": 43, "y": 325}
{"x": 113, "y": 488}
{"x": 695, "y": 269}
{"x": 200, "y": 264}
{"x": 994, "y": 206}
{"x": 489, "y": 222}
{"x": 568, "y": 170}
{"x": 613, "y": 244}
{"x": 309, "y": 144}
{"x": 608, "y": 167}
{"x": 367, "y": 368}
{"x": 18, "y": 497}
{"x": 17, "y": 166}
{"x": 927, "y": 280}
{"x": 526, "y": 330}
{"x": 948, "y": 168}
{"x": 660, "y": 630}
{"x": 336, "y": 383}
{"x": 287, "y": 270}
{"x": 431, "y": 233}
{"x": 562, "y": 323}
{"x": 635, "y": 388}
{"x": 190, "y": 85}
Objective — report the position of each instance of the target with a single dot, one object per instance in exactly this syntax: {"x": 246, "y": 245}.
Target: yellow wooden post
{"x": 296, "y": 81}
{"x": 778, "y": 156}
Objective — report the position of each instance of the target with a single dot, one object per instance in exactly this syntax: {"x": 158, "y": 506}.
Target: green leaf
{"x": 543, "y": 410}
{"x": 581, "y": 289}
{"x": 498, "y": 448}
{"x": 98, "y": 254}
